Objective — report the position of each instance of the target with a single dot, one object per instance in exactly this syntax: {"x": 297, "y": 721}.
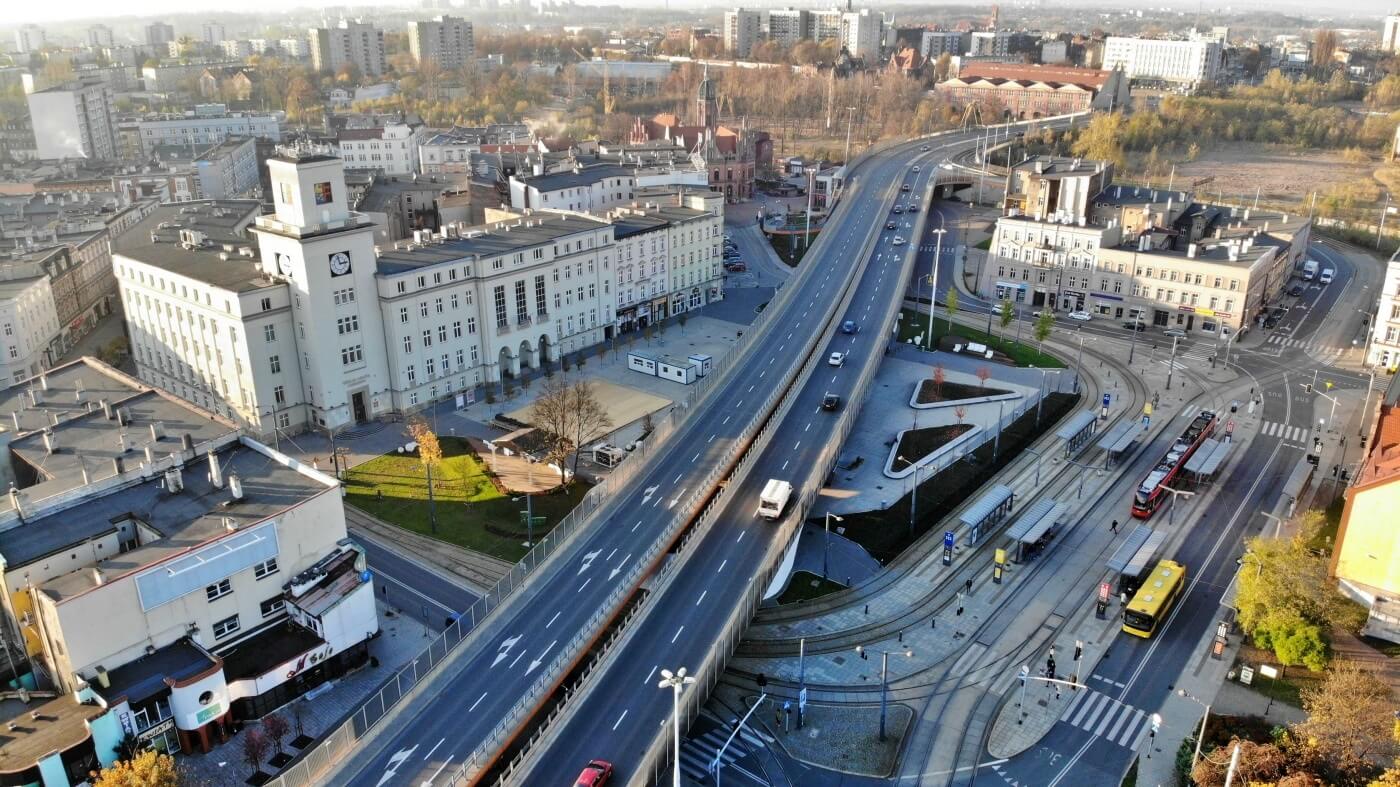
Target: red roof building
{"x": 1034, "y": 91}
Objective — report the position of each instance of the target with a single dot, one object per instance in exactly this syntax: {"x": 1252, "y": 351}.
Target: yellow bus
{"x": 1154, "y": 599}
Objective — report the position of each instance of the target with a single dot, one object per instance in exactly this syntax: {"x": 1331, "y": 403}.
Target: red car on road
{"x": 595, "y": 774}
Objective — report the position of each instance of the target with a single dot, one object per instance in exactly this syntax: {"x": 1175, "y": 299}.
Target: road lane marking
{"x": 620, "y": 718}
{"x": 751, "y": 388}
{"x": 809, "y": 426}
{"x": 784, "y": 467}
{"x": 702, "y": 597}
{"x": 678, "y": 478}
{"x": 610, "y": 555}
{"x": 634, "y": 527}
{"x": 585, "y": 584}
{"x": 722, "y": 565}
{"x": 647, "y": 679}
{"x": 740, "y": 538}
{"x": 796, "y": 444}
{"x": 693, "y": 460}
{"x": 435, "y": 748}
{"x": 678, "y": 635}
{"x": 380, "y": 573}
{"x": 429, "y": 782}
{"x": 551, "y": 620}
{"x": 725, "y": 421}
{"x": 520, "y": 656}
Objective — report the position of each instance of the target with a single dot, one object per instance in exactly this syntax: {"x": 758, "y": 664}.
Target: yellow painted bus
{"x": 1154, "y": 599}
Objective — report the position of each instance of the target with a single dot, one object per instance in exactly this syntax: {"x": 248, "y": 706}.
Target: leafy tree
{"x": 1324, "y": 46}
{"x": 429, "y": 456}
{"x": 1260, "y": 763}
{"x": 1350, "y": 723}
{"x": 951, "y": 304}
{"x": 1043, "y": 325}
{"x": 1006, "y": 313}
{"x": 149, "y": 768}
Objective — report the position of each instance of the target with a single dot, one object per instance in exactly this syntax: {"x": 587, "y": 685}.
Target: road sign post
{"x": 1025, "y": 673}
{"x": 948, "y": 540}
{"x": 998, "y": 565}
{"x": 1101, "y": 605}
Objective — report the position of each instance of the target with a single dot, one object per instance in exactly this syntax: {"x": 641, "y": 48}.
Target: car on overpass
{"x": 898, "y": 241}
{"x": 849, "y": 327}
{"x": 890, "y": 225}
{"x": 898, "y": 209}
{"x": 595, "y": 774}
{"x": 830, "y": 402}
{"x": 905, "y": 187}
{"x": 836, "y": 359}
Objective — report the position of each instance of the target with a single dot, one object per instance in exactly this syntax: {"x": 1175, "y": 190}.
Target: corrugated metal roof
{"x": 988, "y": 503}
{"x": 1120, "y": 436}
{"x": 1208, "y": 457}
{"x": 1137, "y": 550}
{"x": 1076, "y": 424}
{"x": 1037, "y": 519}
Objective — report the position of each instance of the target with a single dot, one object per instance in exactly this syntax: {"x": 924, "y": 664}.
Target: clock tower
{"x": 325, "y": 253}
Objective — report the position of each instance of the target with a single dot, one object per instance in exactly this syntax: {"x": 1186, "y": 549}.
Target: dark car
{"x": 897, "y": 209}
{"x": 849, "y": 326}
{"x": 1271, "y": 321}
{"x": 890, "y": 225}
{"x": 831, "y": 401}
{"x": 1295, "y": 290}
{"x": 905, "y": 187}
{"x": 1135, "y": 326}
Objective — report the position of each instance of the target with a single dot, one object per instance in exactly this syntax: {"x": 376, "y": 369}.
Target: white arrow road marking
{"x": 648, "y": 492}
{"x": 504, "y": 649}
{"x": 675, "y": 500}
{"x": 588, "y": 560}
{"x": 613, "y": 574}
{"x": 540, "y": 660}
{"x": 394, "y": 763}
{"x": 428, "y": 782}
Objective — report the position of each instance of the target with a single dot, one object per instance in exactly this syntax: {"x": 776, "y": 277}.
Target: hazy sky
{"x": 21, "y": 11}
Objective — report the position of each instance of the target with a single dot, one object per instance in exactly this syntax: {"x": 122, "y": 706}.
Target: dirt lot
{"x": 1279, "y": 173}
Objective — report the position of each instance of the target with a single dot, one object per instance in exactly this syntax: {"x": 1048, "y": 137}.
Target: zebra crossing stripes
{"x": 697, "y": 753}
{"x": 1289, "y": 432}
{"x": 1104, "y": 717}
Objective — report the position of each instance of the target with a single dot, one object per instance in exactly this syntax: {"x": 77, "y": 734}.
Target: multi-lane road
{"x": 473, "y": 693}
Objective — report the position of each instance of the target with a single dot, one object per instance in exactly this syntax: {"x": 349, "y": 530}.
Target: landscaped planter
{"x": 971, "y": 431}
{"x": 975, "y": 394}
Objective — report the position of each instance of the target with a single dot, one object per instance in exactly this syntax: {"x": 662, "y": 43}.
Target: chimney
{"x": 106, "y": 409}
{"x": 97, "y": 578}
{"x": 117, "y": 466}
{"x": 150, "y": 455}
{"x": 121, "y": 442}
{"x": 50, "y": 442}
{"x": 15, "y": 501}
{"x": 14, "y": 416}
{"x": 53, "y": 418}
{"x": 216, "y": 473}
{"x": 235, "y": 486}
{"x": 82, "y": 467}
{"x": 1191, "y": 252}
{"x": 157, "y": 430}
{"x": 44, "y": 381}
{"x": 174, "y": 480}
{"x": 186, "y": 442}
{"x": 124, "y": 416}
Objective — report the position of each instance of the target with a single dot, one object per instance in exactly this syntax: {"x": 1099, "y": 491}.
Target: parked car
{"x": 1081, "y": 316}
{"x": 1135, "y": 326}
{"x": 849, "y": 326}
{"x": 836, "y": 359}
{"x": 736, "y": 267}
{"x": 1175, "y": 333}
{"x": 1295, "y": 290}
{"x": 830, "y": 402}
{"x": 898, "y": 241}
{"x": 595, "y": 774}
{"x": 1271, "y": 321}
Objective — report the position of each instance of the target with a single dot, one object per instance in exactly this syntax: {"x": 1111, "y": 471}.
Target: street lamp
{"x": 826, "y": 550}
{"x": 1171, "y": 364}
{"x": 1201, "y": 736}
{"x": 1257, "y": 563}
{"x": 1175, "y": 493}
{"x": 1137, "y": 322}
{"x": 676, "y": 683}
{"x": 933, "y": 283}
{"x": 913, "y": 495}
{"x": 884, "y": 680}
{"x": 529, "y": 518}
{"x": 1079, "y": 360}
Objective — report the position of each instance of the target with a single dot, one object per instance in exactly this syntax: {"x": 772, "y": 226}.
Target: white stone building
{"x": 75, "y": 120}
{"x": 1384, "y": 350}
{"x": 229, "y": 169}
{"x": 28, "y": 326}
{"x": 391, "y": 148}
{"x": 594, "y": 189}
{"x": 743, "y": 29}
{"x": 203, "y": 130}
{"x": 1187, "y": 62}
{"x": 351, "y": 43}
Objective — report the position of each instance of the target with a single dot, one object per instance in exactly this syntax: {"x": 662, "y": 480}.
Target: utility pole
{"x": 850, "y": 118}
{"x": 1380, "y": 230}
{"x": 1171, "y": 365}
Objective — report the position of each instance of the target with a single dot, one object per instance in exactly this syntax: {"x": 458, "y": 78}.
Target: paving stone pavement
{"x": 401, "y": 638}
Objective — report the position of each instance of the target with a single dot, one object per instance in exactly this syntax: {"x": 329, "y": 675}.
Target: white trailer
{"x": 676, "y": 369}
{"x": 774, "y": 499}
{"x": 641, "y": 363}
{"x": 703, "y": 364}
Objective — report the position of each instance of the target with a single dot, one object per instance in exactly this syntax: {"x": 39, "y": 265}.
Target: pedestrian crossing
{"x": 1288, "y": 432}
{"x": 698, "y": 753}
{"x": 1318, "y": 351}
{"x": 1104, "y": 717}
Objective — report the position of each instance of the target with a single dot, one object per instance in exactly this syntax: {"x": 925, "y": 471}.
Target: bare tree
{"x": 984, "y": 374}
{"x": 277, "y": 729}
{"x": 255, "y": 748}
{"x": 939, "y": 378}
{"x": 961, "y": 412}
{"x": 570, "y": 415}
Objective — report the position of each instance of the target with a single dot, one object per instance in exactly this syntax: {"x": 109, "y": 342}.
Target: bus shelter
{"x": 989, "y": 509}
{"x": 1135, "y": 557}
{"x": 1297, "y": 480}
{"x": 1116, "y": 442}
{"x": 1035, "y": 527}
{"x": 1077, "y": 431}
{"x": 1206, "y": 462}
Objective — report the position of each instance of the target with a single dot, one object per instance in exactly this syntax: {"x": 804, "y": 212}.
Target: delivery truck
{"x": 774, "y": 499}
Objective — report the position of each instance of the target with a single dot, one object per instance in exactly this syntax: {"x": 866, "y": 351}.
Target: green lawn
{"x": 471, "y": 511}
{"x": 1290, "y": 684}
{"x": 1023, "y": 352}
{"x": 806, "y": 586}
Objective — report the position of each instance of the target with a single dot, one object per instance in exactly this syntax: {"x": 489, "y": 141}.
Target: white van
{"x": 774, "y": 499}
{"x": 1325, "y": 277}
{"x": 1309, "y": 270}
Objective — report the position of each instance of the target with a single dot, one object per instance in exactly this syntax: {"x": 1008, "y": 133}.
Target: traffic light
{"x": 1078, "y": 649}
{"x": 1307, "y": 387}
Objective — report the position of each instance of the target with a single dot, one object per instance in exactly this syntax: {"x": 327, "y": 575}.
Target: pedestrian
{"x": 1114, "y": 527}
{"x": 968, "y": 586}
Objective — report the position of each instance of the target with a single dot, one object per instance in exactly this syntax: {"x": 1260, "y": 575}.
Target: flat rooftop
{"x": 143, "y": 678}
{"x": 186, "y": 520}
{"x": 61, "y": 725}
{"x": 70, "y": 388}
{"x": 223, "y": 222}
{"x": 586, "y": 176}
{"x": 1137, "y": 195}
{"x": 494, "y": 240}
{"x": 1057, "y": 166}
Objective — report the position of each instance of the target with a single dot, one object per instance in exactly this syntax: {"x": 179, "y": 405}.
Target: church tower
{"x": 707, "y": 105}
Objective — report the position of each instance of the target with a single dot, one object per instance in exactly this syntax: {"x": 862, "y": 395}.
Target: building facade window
{"x": 218, "y": 590}
{"x": 226, "y": 627}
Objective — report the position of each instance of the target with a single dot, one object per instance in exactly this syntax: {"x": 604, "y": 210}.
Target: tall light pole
{"x": 913, "y": 496}
{"x": 1175, "y": 493}
{"x": 1079, "y": 360}
{"x": 676, "y": 683}
{"x": 529, "y": 518}
{"x": 826, "y": 550}
{"x": 1201, "y": 736}
{"x": 801, "y": 677}
{"x": 1171, "y": 364}
{"x": 884, "y": 679}
{"x": 1137, "y": 326}
{"x": 846, "y": 162}
{"x": 996, "y": 438}
{"x": 1381, "y": 229}
{"x": 933, "y": 283}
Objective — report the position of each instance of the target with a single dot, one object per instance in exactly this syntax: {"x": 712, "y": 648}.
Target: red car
{"x": 595, "y": 774}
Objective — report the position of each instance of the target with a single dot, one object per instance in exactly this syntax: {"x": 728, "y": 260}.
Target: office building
{"x": 213, "y": 32}
{"x": 445, "y": 40}
{"x": 350, "y": 44}
{"x": 742, "y": 29}
{"x": 1384, "y": 347}
{"x": 168, "y": 578}
{"x": 99, "y": 36}
{"x": 788, "y": 26}
{"x": 228, "y": 170}
{"x": 158, "y": 34}
{"x": 29, "y": 38}
{"x": 201, "y": 130}
{"x": 1183, "y": 62}
{"x": 74, "y": 120}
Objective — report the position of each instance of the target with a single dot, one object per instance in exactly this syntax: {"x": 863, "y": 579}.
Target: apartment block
{"x": 168, "y": 578}
{"x": 1187, "y": 62}
{"x": 158, "y": 34}
{"x": 99, "y": 36}
{"x": 863, "y": 33}
{"x": 199, "y": 131}
{"x": 29, "y": 333}
{"x": 74, "y": 120}
{"x": 229, "y": 169}
{"x": 742, "y": 30}
{"x": 351, "y": 43}
{"x": 446, "y": 40}
{"x": 213, "y": 32}
{"x": 29, "y": 38}
{"x": 1390, "y": 33}
{"x": 1384, "y": 349}
{"x": 788, "y": 26}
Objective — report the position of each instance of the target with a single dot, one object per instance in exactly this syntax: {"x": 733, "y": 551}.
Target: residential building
{"x": 391, "y": 148}
{"x": 173, "y": 578}
{"x": 74, "y": 120}
{"x": 211, "y": 32}
{"x": 788, "y": 26}
{"x": 99, "y": 36}
{"x": 400, "y": 206}
{"x": 196, "y": 131}
{"x": 1188, "y": 62}
{"x": 666, "y": 262}
{"x": 1035, "y": 91}
{"x": 29, "y": 38}
{"x": 742, "y": 29}
{"x": 1383, "y": 350}
{"x": 863, "y": 33}
{"x": 1366, "y": 559}
{"x": 228, "y": 83}
{"x": 158, "y": 34}
{"x": 228, "y": 170}
{"x": 297, "y": 48}
{"x": 177, "y": 77}
{"x": 236, "y": 49}
{"x": 28, "y": 322}
{"x": 826, "y": 25}
{"x": 595, "y": 189}
{"x": 350, "y": 44}
{"x": 1055, "y": 51}
{"x": 1390, "y": 34}
{"x": 933, "y": 43}
{"x": 446, "y": 40}
{"x": 994, "y": 43}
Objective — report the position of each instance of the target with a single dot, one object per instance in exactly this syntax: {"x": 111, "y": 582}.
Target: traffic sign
{"x": 802, "y": 699}
{"x": 1246, "y": 675}
{"x": 948, "y": 539}
{"x": 1107, "y": 398}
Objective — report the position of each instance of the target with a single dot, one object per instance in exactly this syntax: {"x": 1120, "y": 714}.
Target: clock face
{"x": 340, "y": 263}
{"x": 284, "y": 264}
